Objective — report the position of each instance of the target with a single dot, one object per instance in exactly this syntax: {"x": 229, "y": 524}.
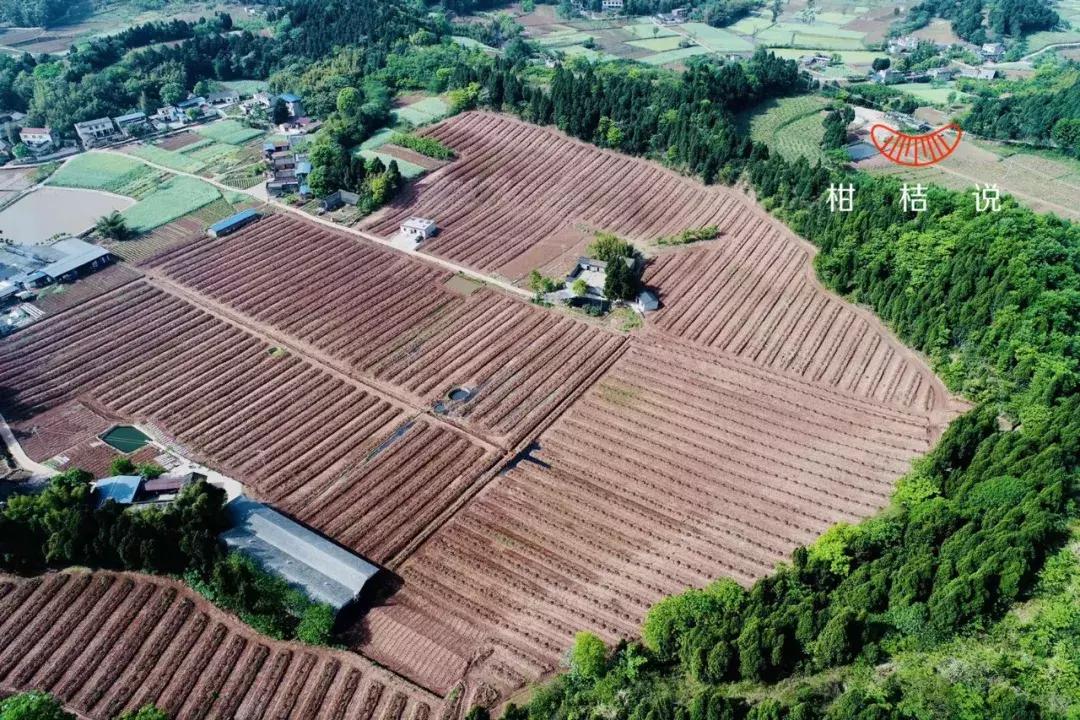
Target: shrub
{"x": 33, "y": 706}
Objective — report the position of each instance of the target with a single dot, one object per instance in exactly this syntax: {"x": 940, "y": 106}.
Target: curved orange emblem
{"x": 916, "y": 150}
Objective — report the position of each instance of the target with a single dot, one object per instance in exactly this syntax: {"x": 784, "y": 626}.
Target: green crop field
{"x": 671, "y": 42}
{"x": 472, "y": 44}
{"x": 935, "y": 95}
{"x": 229, "y": 132}
{"x": 246, "y": 87}
{"x": 789, "y": 126}
{"x": 573, "y": 37}
{"x": 582, "y": 51}
{"x": 423, "y": 111}
{"x": 175, "y": 198}
{"x": 716, "y": 39}
{"x": 380, "y": 138}
{"x": 648, "y": 30}
{"x": 674, "y": 55}
{"x": 169, "y": 158}
{"x": 408, "y": 170}
{"x": 100, "y": 171}
{"x": 750, "y": 25}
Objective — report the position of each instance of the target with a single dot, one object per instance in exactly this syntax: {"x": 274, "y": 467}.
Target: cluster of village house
{"x": 989, "y": 53}
{"x": 42, "y": 142}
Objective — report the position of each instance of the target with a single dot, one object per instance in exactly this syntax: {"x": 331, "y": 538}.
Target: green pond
{"x": 125, "y": 438}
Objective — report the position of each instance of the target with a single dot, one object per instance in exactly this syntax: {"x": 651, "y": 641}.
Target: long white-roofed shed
{"x": 327, "y": 572}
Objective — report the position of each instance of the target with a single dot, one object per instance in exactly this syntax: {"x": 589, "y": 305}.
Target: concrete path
{"x": 37, "y": 470}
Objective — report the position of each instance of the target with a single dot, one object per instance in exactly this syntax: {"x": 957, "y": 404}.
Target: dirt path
{"x": 411, "y": 406}
{"x": 23, "y": 460}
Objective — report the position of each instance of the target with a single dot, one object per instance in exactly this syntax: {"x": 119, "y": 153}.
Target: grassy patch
{"x": 246, "y": 87}
{"x": 176, "y": 198}
{"x": 790, "y": 126}
{"x": 717, "y": 39}
{"x": 423, "y": 111}
{"x": 229, "y": 132}
{"x": 99, "y": 171}
{"x": 169, "y": 158}
{"x": 671, "y": 42}
{"x": 672, "y": 56}
{"x": 646, "y": 31}
{"x": 408, "y": 169}
{"x": 925, "y": 91}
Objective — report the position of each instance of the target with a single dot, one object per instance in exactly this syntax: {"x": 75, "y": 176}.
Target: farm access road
{"x": 262, "y": 197}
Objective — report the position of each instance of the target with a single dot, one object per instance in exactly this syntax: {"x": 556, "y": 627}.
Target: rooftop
{"x": 74, "y": 254}
{"x": 118, "y": 488}
{"x": 289, "y": 97}
{"x": 242, "y": 216}
{"x": 327, "y": 572}
{"x": 131, "y": 117}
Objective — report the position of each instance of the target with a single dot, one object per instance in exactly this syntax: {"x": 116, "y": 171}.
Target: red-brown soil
{"x": 516, "y": 184}
{"x": 179, "y": 140}
{"x": 391, "y": 320}
{"x": 678, "y": 466}
{"x": 314, "y": 443}
{"x": 57, "y": 298}
{"x": 411, "y": 156}
{"x": 104, "y": 643}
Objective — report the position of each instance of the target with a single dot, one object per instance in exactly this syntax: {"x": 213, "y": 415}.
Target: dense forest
{"x": 1041, "y": 109}
{"x": 980, "y": 21}
{"x": 993, "y": 299}
{"x": 33, "y": 13}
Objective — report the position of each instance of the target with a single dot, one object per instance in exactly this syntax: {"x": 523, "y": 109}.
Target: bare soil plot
{"x": 554, "y": 256}
{"x": 752, "y": 294}
{"x": 675, "y": 468}
{"x": 390, "y": 319}
{"x": 516, "y": 184}
{"x": 180, "y": 140}
{"x": 104, "y": 643}
{"x": 312, "y": 442}
{"x": 411, "y": 156}
{"x": 60, "y": 297}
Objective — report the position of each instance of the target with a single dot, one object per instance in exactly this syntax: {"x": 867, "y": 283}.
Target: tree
{"x": 121, "y": 465}
{"x": 113, "y": 226}
{"x": 620, "y": 281}
{"x": 579, "y": 287}
{"x": 316, "y": 624}
{"x": 172, "y": 93}
{"x": 146, "y": 712}
{"x": 279, "y": 113}
{"x": 33, "y": 706}
{"x": 588, "y": 656}
{"x": 775, "y": 8}
{"x": 349, "y": 101}
{"x": 881, "y": 63}
{"x": 608, "y": 247}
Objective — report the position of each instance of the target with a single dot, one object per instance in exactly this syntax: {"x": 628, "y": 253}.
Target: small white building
{"x": 95, "y": 132}
{"x": 418, "y": 228}
{"x": 39, "y": 141}
{"x": 611, "y": 5}
{"x": 132, "y": 123}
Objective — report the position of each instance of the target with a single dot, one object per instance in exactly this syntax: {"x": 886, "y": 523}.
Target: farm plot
{"x": 174, "y": 160}
{"x": 230, "y": 132}
{"x": 677, "y": 467}
{"x": 716, "y": 39}
{"x": 422, "y": 111}
{"x": 297, "y": 434}
{"x": 109, "y": 172}
{"x": 508, "y": 170}
{"x": 790, "y": 126}
{"x": 391, "y": 320}
{"x": 171, "y": 200}
{"x": 105, "y": 642}
{"x": 752, "y": 294}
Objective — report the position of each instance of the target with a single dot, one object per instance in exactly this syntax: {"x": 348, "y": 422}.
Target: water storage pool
{"x": 459, "y": 394}
{"x": 126, "y": 438}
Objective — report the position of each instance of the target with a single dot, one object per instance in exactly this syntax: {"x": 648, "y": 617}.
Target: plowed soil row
{"x": 105, "y": 643}
{"x": 391, "y": 320}
{"x": 516, "y": 184}
{"x": 752, "y": 296}
{"x": 674, "y": 469}
{"x": 319, "y": 447}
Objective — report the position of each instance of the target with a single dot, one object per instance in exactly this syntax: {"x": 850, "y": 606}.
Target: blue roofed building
{"x": 232, "y": 223}
{"x": 121, "y": 489}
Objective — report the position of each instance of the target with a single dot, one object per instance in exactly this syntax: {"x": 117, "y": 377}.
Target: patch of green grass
{"x": 380, "y": 138}
{"x": 672, "y": 56}
{"x": 925, "y": 91}
{"x": 717, "y": 39}
{"x": 246, "y": 87}
{"x": 472, "y": 44}
{"x": 99, "y": 171}
{"x": 564, "y": 38}
{"x": 169, "y": 158}
{"x": 229, "y": 132}
{"x": 645, "y": 31}
{"x": 408, "y": 169}
{"x": 176, "y": 198}
{"x": 671, "y": 42}
{"x": 790, "y": 126}
{"x": 750, "y": 24}
{"x": 423, "y": 111}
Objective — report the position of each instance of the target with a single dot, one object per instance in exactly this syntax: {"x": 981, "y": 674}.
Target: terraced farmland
{"x": 509, "y": 170}
{"x": 677, "y": 467}
{"x": 294, "y": 433}
{"x": 752, "y": 295}
{"x": 105, "y": 642}
{"x": 386, "y": 318}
